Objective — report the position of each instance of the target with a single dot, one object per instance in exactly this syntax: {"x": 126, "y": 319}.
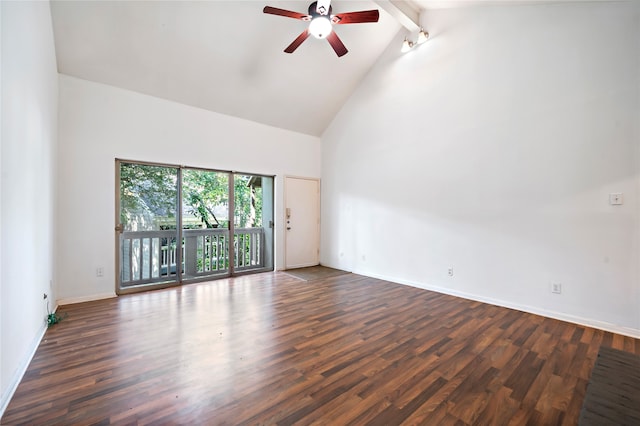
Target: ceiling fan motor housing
{"x": 313, "y": 10}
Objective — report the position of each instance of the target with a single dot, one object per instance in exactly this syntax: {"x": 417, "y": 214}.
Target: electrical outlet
{"x": 450, "y": 271}
{"x": 615, "y": 199}
{"x": 100, "y": 271}
{"x": 556, "y": 288}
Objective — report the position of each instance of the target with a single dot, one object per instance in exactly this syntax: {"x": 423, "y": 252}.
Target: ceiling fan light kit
{"x": 321, "y": 23}
{"x": 320, "y": 27}
{"x": 407, "y": 44}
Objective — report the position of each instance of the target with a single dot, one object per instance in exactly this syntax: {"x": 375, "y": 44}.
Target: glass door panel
{"x": 253, "y": 222}
{"x": 205, "y": 223}
{"x": 148, "y": 225}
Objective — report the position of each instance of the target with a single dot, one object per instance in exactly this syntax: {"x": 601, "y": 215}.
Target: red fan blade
{"x": 336, "y": 43}
{"x": 297, "y": 42}
{"x": 287, "y": 13}
{"x": 356, "y": 17}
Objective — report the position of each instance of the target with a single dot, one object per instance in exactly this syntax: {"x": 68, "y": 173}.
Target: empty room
{"x": 320, "y": 212}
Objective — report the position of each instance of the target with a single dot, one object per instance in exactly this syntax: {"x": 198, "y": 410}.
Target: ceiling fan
{"x": 321, "y": 23}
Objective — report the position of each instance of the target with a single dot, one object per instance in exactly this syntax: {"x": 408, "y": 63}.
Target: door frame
{"x": 231, "y": 228}
{"x": 284, "y": 215}
{"x": 118, "y": 230}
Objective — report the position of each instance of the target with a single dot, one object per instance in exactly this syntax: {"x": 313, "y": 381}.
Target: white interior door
{"x": 302, "y": 222}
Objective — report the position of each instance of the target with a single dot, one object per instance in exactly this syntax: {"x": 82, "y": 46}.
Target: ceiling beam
{"x": 403, "y": 12}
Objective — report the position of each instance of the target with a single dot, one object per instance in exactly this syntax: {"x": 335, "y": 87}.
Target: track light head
{"x": 406, "y": 45}
{"x": 422, "y": 36}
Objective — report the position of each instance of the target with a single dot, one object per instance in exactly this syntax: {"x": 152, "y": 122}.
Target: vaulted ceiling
{"x": 223, "y": 56}
{"x": 226, "y": 56}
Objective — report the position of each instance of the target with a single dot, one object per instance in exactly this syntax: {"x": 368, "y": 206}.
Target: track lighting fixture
{"x": 407, "y": 44}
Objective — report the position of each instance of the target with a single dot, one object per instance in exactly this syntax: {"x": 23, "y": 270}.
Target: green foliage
{"x": 147, "y": 192}
{"x": 148, "y": 196}
{"x": 203, "y": 192}
{"x": 248, "y": 202}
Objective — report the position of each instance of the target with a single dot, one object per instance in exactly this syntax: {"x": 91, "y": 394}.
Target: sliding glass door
{"x": 148, "y": 224}
{"x": 205, "y": 223}
{"x": 253, "y": 222}
{"x": 174, "y": 224}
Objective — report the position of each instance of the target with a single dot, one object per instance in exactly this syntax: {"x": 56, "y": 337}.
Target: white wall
{"x": 100, "y": 123}
{"x": 492, "y": 149}
{"x": 3, "y": 399}
{"x": 29, "y": 134}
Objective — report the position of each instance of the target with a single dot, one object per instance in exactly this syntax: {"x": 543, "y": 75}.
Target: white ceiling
{"x": 227, "y": 56}
{"x": 223, "y": 56}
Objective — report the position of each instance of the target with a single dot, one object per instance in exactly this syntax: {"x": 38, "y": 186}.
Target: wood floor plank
{"x": 272, "y": 349}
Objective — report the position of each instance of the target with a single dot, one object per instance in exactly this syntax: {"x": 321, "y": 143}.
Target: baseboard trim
{"x": 81, "y": 299}
{"x": 601, "y": 325}
{"x": 22, "y": 369}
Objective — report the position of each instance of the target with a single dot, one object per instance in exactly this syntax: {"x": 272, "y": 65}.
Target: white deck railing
{"x": 151, "y": 256}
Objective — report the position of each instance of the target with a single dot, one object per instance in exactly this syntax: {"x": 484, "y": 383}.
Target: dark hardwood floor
{"x": 271, "y": 349}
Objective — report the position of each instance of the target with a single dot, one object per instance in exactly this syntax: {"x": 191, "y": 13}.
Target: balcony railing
{"x": 151, "y": 256}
